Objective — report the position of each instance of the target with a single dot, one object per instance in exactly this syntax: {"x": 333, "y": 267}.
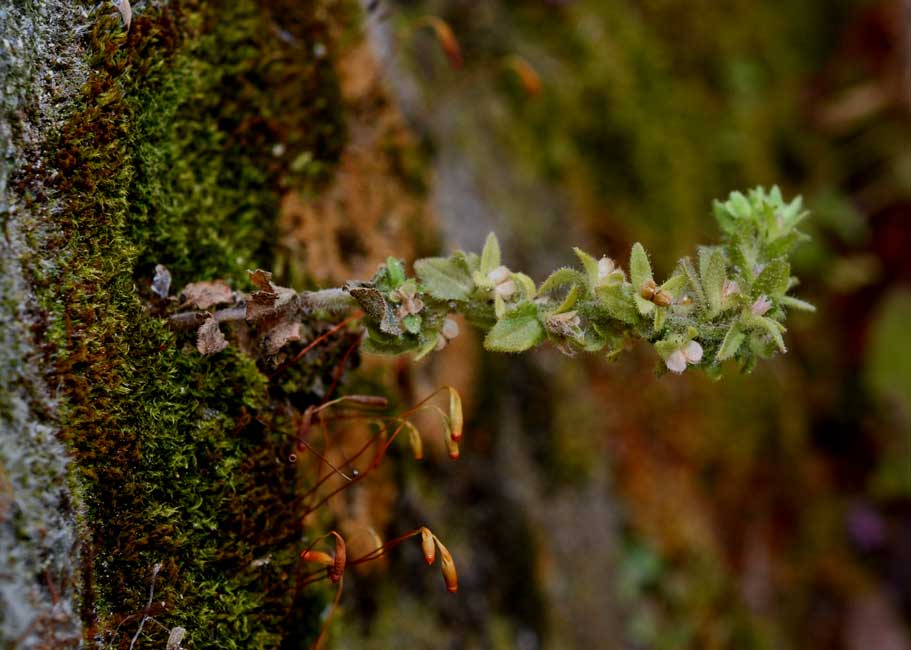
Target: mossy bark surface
{"x": 178, "y": 142}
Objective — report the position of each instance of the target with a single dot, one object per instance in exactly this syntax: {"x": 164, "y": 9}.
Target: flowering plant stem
{"x": 730, "y": 302}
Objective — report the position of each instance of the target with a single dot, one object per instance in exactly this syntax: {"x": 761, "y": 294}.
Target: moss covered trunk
{"x": 124, "y": 453}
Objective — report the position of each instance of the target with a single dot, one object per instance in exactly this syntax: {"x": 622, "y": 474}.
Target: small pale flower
{"x": 761, "y": 306}
{"x": 503, "y": 282}
{"x": 499, "y": 275}
{"x": 410, "y": 303}
{"x": 606, "y": 266}
{"x": 505, "y": 289}
{"x": 449, "y": 331}
{"x": 729, "y": 289}
{"x": 691, "y": 353}
{"x": 676, "y": 362}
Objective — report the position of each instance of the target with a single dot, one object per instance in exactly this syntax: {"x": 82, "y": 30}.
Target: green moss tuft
{"x": 190, "y": 126}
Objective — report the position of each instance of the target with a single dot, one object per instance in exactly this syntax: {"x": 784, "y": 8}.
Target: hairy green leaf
{"x": 640, "y": 270}
{"x": 773, "y": 280}
{"x": 797, "y": 303}
{"x": 674, "y": 285}
{"x": 517, "y": 331}
{"x": 526, "y": 284}
{"x": 712, "y": 270}
{"x": 617, "y": 301}
{"x": 570, "y": 301}
{"x": 490, "y": 256}
{"x": 444, "y": 278}
{"x": 731, "y": 343}
{"x": 589, "y": 263}
{"x": 561, "y": 278}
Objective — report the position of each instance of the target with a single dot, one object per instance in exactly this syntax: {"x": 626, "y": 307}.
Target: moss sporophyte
{"x": 730, "y": 303}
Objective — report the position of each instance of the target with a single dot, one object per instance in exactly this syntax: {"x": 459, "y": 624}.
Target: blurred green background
{"x": 595, "y": 505}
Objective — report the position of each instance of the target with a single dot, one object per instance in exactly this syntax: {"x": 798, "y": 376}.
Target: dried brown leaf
{"x": 161, "y": 283}
{"x": 126, "y": 12}
{"x": 262, "y": 304}
{"x": 262, "y": 280}
{"x": 203, "y": 295}
{"x": 209, "y": 338}
{"x": 175, "y": 638}
{"x": 283, "y": 332}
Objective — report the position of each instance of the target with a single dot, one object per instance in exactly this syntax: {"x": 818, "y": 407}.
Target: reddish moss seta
{"x": 427, "y": 545}
{"x": 317, "y": 557}
{"x": 341, "y": 558}
{"x": 455, "y": 415}
{"x": 453, "y": 448}
{"x": 448, "y": 568}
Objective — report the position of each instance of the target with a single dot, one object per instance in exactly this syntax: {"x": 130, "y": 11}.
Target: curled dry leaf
{"x": 203, "y": 295}
{"x": 161, "y": 283}
{"x": 126, "y": 12}
{"x": 283, "y": 332}
{"x": 262, "y": 280}
{"x": 209, "y": 338}
{"x": 260, "y": 305}
{"x": 175, "y": 638}
{"x": 263, "y": 304}
{"x": 270, "y": 299}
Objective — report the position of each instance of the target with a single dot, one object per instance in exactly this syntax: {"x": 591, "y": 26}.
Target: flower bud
{"x": 761, "y": 306}
{"x": 499, "y": 275}
{"x": 427, "y": 545}
{"x": 729, "y": 288}
{"x": 505, "y": 289}
{"x": 606, "y": 266}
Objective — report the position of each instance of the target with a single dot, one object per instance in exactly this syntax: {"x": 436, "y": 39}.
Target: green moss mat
{"x": 189, "y": 127}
